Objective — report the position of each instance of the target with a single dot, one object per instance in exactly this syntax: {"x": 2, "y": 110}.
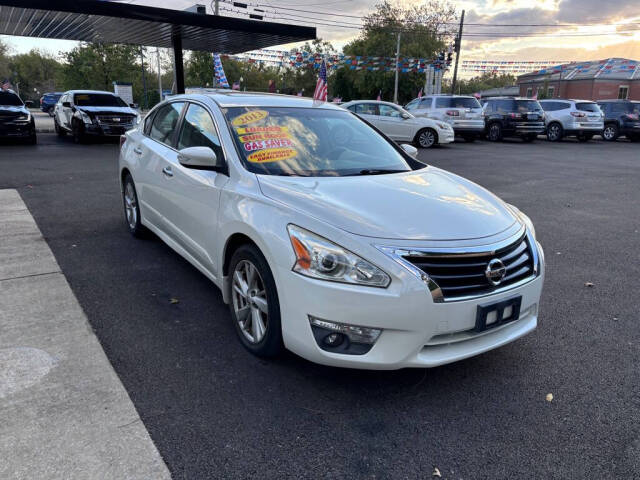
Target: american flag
{"x": 321, "y": 86}
{"x": 235, "y": 86}
{"x": 6, "y": 85}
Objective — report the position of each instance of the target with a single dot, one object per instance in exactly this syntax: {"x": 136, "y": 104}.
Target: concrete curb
{"x": 63, "y": 411}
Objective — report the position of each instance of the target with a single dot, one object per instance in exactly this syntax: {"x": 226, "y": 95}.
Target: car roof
{"x": 89, "y": 91}
{"x": 565, "y": 100}
{"x": 614, "y": 100}
{"x": 379, "y": 102}
{"x": 233, "y": 98}
{"x": 512, "y": 98}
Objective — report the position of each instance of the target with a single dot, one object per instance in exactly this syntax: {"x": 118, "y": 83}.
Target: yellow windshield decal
{"x": 250, "y": 117}
{"x": 272, "y": 155}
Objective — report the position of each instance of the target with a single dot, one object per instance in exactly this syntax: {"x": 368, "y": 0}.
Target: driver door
{"x": 392, "y": 123}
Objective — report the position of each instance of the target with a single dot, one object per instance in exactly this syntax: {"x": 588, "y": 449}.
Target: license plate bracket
{"x": 484, "y": 311}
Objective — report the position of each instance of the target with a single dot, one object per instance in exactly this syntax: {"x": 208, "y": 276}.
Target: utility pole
{"x": 458, "y": 44}
{"x": 395, "y": 88}
{"x": 144, "y": 80}
{"x": 159, "y": 73}
{"x": 215, "y": 9}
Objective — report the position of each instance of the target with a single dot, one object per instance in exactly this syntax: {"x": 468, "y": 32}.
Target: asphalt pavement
{"x": 214, "y": 411}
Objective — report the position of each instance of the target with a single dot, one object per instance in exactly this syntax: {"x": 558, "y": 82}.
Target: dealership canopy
{"x": 104, "y": 21}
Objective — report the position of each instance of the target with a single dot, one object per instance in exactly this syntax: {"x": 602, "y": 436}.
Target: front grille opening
{"x": 463, "y": 275}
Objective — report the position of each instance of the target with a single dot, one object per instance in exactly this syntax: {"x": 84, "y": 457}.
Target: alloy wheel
{"x": 554, "y": 132}
{"x": 131, "y": 206}
{"x": 494, "y": 132}
{"x": 250, "y": 301}
{"x": 609, "y": 133}
{"x": 427, "y": 139}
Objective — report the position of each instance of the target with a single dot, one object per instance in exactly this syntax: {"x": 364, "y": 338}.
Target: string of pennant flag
{"x": 369, "y": 63}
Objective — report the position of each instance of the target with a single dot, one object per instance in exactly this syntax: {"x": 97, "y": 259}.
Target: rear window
{"x": 457, "y": 102}
{"x": 98, "y": 100}
{"x": 524, "y": 106}
{"x": 10, "y": 99}
{"x": 588, "y": 107}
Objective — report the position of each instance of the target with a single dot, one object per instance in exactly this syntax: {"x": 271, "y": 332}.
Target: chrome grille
{"x": 115, "y": 120}
{"x": 461, "y": 275}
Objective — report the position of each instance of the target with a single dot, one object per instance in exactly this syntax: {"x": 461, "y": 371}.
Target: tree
{"x": 485, "y": 82}
{"x": 35, "y": 73}
{"x": 423, "y": 33}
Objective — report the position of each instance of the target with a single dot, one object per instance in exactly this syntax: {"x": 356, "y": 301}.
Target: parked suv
{"x": 463, "y": 113}
{"x": 15, "y": 119}
{"x": 621, "y": 117}
{"x": 89, "y": 112}
{"x": 48, "y": 102}
{"x": 513, "y": 117}
{"x": 582, "y": 118}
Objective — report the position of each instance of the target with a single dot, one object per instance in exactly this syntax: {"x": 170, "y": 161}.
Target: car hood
{"x": 7, "y": 111}
{"x": 126, "y": 110}
{"x": 427, "y": 204}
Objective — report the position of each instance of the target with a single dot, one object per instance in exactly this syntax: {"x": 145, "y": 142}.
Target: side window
{"x": 623, "y": 92}
{"x": 504, "y": 106}
{"x": 388, "y": 111}
{"x": 165, "y": 121}
{"x": 367, "y": 108}
{"x": 198, "y": 130}
{"x": 443, "y": 102}
{"x": 411, "y": 105}
{"x": 148, "y": 121}
{"x": 426, "y": 102}
{"x": 548, "y": 106}
{"x": 351, "y": 108}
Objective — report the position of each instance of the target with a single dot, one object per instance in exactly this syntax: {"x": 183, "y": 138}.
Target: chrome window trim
{"x": 398, "y": 253}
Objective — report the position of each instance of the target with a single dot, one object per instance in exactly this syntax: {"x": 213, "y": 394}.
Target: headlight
{"x": 317, "y": 257}
{"x": 24, "y": 117}
{"x": 526, "y": 220}
{"x": 85, "y": 118}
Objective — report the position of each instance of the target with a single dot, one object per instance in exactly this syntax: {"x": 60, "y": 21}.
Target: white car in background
{"x": 327, "y": 238}
{"x": 400, "y": 125}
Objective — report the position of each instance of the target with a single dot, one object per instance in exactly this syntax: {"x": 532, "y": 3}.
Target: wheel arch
{"x": 422, "y": 129}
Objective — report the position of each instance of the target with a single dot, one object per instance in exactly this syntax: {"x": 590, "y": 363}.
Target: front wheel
{"x": 59, "y": 130}
{"x": 254, "y": 305}
{"x": 610, "y": 132}
{"x": 78, "y": 132}
{"x": 554, "y": 132}
{"x": 426, "y": 138}
{"x": 495, "y": 132}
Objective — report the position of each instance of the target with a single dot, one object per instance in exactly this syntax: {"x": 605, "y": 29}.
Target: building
{"x": 596, "y": 80}
{"x": 510, "y": 91}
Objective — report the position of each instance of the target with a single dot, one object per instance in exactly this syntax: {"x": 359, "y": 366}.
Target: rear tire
{"x": 426, "y": 138}
{"x": 254, "y": 303}
{"x": 610, "y": 132}
{"x": 494, "y": 132}
{"x": 554, "y": 132}
{"x": 132, "y": 208}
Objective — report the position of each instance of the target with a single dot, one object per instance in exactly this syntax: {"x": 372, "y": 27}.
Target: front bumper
{"x": 416, "y": 331}
{"x": 445, "y": 135}
{"x": 14, "y": 129}
{"x": 107, "y": 130}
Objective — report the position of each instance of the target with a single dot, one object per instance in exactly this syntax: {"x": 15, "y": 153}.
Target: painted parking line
{"x": 63, "y": 411}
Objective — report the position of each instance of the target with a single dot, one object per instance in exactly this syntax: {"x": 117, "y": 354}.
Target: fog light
{"x": 354, "y": 333}
{"x": 333, "y": 339}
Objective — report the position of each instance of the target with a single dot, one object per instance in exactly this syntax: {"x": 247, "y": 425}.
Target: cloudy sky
{"x": 565, "y": 29}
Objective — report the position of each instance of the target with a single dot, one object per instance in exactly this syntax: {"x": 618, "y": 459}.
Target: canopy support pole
{"x": 176, "y": 41}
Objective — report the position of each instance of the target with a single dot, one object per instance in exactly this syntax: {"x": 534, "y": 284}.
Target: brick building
{"x": 596, "y": 80}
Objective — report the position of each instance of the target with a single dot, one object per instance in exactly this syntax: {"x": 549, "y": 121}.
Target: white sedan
{"x": 325, "y": 237}
{"x": 400, "y": 125}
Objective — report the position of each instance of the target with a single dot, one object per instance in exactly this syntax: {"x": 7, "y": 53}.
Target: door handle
{"x": 167, "y": 171}
{"x": 137, "y": 150}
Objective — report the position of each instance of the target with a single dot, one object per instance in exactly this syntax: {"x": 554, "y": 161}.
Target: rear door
{"x": 191, "y": 197}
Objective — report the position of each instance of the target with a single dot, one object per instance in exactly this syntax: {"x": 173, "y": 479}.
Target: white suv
{"x": 580, "y": 118}
{"x": 463, "y": 113}
{"x": 326, "y": 237}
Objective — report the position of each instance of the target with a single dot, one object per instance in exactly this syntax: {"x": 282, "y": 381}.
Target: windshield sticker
{"x": 267, "y": 144}
{"x": 274, "y": 129}
{"x": 252, "y": 137}
{"x": 250, "y": 117}
{"x": 272, "y": 155}
{"x": 81, "y": 97}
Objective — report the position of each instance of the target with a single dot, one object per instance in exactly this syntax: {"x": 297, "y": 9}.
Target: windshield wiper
{"x": 373, "y": 171}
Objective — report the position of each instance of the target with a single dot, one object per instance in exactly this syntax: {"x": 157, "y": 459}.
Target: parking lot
{"x": 215, "y": 411}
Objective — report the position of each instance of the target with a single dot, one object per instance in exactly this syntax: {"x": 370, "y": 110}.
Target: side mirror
{"x": 202, "y": 158}
{"x": 133, "y": 105}
{"x": 410, "y": 150}
{"x": 66, "y": 104}
{"x": 405, "y": 115}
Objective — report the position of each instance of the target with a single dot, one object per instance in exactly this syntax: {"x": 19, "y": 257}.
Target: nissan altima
{"x": 327, "y": 238}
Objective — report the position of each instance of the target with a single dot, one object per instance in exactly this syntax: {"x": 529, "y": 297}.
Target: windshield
{"x": 10, "y": 99}
{"x": 524, "y": 106}
{"x": 310, "y": 142}
{"x": 97, "y": 100}
{"x": 457, "y": 102}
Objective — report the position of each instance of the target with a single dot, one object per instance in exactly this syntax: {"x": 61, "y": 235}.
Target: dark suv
{"x": 15, "y": 119}
{"x": 513, "y": 117}
{"x": 621, "y": 117}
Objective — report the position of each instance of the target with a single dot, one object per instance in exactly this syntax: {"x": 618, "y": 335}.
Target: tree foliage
{"x": 483, "y": 82}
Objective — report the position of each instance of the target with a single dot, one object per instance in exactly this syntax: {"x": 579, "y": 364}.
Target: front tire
{"x": 132, "y": 208}
{"x": 611, "y": 132}
{"x": 59, "y": 130}
{"x": 78, "y": 132}
{"x": 426, "y": 138}
{"x": 554, "y": 132}
{"x": 494, "y": 133}
{"x": 254, "y": 305}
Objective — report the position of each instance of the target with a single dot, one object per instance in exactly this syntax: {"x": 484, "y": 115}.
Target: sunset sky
{"x": 612, "y": 26}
